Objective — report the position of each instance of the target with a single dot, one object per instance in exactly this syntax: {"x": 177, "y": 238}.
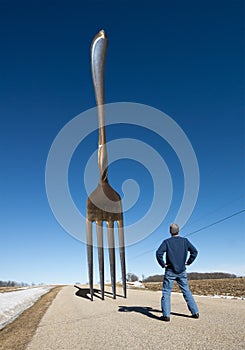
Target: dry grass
{"x": 8, "y": 289}
{"x": 18, "y": 334}
{"x": 227, "y": 286}
{"x": 16, "y": 288}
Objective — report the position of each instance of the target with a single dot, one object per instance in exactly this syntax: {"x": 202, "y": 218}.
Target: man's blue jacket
{"x": 176, "y": 249}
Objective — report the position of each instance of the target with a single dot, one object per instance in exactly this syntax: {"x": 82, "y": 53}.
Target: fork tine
{"x": 122, "y": 255}
{"x": 90, "y": 255}
{"x": 99, "y": 230}
{"x": 111, "y": 244}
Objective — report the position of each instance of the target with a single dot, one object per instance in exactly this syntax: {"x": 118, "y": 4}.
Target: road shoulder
{"x": 19, "y": 333}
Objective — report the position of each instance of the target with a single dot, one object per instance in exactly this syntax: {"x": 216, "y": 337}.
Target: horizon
{"x": 23, "y": 284}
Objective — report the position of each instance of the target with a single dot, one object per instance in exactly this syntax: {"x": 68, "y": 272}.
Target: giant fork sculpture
{"x": 104, "y": 203}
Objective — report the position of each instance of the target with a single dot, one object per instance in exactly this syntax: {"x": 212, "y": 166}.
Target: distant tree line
{"x": 209, "y": 275}
{"x": 194, "y": 276}
{"x": 12, "y": 284}
{"x": 131, "y": 277}
{"x": 154, "y": 278}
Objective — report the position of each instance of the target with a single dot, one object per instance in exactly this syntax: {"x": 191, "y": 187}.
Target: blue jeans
{"x": 167, "y": 287}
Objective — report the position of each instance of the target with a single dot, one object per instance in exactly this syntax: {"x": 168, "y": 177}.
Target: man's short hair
{"x": 174, "y": 229}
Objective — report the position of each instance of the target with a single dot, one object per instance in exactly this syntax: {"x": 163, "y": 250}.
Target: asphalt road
{"x": 74, "y": 322}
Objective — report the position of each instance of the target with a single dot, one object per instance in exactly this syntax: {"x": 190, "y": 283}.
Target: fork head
{"x": 104, "y": 204}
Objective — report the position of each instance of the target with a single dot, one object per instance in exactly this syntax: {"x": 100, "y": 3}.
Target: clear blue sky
{"x": 183, "y": 58}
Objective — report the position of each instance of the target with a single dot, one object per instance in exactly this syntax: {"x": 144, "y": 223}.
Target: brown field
{"x": 227, "y": 287}
{"x": 8, "y": 289}
{"x": 15, "y": 288}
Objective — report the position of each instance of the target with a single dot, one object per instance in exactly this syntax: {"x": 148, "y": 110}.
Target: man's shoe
{"x": 165, "y": 318}
{"x": 195, "y": 316}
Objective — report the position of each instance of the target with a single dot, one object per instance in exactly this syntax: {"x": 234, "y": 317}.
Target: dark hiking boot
{"x": 195, "y": 316}
{"x": 165, "y": 318}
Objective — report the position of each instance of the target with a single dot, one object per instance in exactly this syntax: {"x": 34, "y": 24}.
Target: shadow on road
{"x": 144, "y": 310}
{"x": 181, "y": 315}
{"x": 147, "y": 311}
{"x": 85, "y": 293}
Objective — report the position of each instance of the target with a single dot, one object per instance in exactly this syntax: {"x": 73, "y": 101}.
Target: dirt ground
{"x": 227, "y": 287}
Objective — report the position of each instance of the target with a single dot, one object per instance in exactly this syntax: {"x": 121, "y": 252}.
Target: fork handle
{"x": 98, "y": 55}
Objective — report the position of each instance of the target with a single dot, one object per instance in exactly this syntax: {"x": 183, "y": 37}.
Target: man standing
{"x": 176, "y": 249}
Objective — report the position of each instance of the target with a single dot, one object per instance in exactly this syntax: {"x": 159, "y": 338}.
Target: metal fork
{"x": 104, "y": 203}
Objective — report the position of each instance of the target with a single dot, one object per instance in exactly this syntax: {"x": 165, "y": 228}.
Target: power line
{"x": 215, "y": 223}
{"x": 219, "y": 208}
{"x": 200, "y": 229}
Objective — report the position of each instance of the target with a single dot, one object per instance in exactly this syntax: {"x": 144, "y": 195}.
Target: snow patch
{"x": 230, "y": 297}
{"x": 135, "y": 284}
{"x": 12, "y": 304}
